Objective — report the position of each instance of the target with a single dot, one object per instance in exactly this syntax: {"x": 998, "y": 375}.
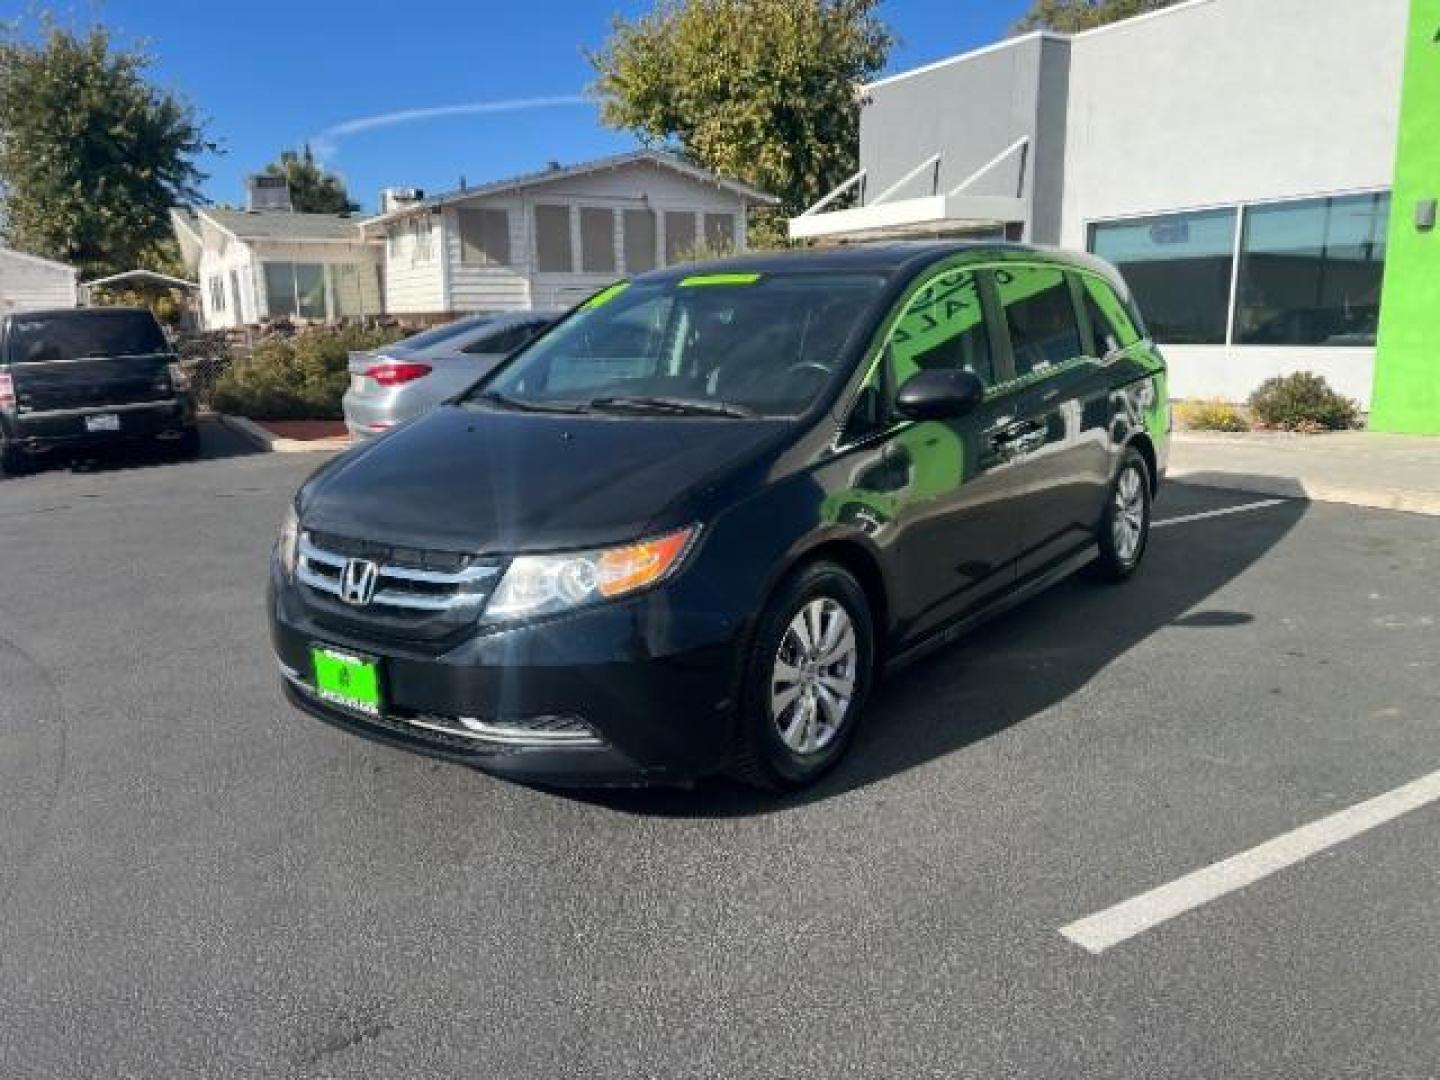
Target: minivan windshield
{"x": 44, "y": 338}
{"x": 708, "y": 345}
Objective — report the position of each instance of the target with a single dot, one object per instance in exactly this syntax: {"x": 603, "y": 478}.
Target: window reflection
{"x": 1179, "y": 268}
{"x": 1310, "y": 272}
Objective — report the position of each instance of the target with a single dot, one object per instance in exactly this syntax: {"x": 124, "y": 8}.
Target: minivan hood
{"x": 490, "y": 481}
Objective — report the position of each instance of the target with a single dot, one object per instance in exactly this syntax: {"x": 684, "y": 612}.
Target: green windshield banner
{"x": 1407, "y": 359}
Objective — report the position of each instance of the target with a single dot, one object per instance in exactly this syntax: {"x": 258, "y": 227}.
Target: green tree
{"x": 313, "y": 189}
{"x": 92, "y": 155}
{"x": 761, "y": 91}
{"x": 1070, "y": 16}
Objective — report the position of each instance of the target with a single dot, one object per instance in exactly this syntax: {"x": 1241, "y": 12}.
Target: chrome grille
{"x": 462, "y": 589}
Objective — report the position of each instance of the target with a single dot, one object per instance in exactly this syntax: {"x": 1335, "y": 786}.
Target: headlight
{"x": 544, "y": 584}
{"x": 288, "y": 542}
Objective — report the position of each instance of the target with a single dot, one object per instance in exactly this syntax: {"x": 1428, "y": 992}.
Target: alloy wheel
{"x": 813, "y": 677}
{"x": 1127, "y": 524}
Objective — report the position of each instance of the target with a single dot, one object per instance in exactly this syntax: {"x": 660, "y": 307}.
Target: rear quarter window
{"x": 78, "y": 335}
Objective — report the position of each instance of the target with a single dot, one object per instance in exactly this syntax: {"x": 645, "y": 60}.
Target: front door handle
{"x": 1022, "y": 437}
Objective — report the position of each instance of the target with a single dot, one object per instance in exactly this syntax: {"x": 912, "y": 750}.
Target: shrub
{"x": 1211, "y": 415}
{"x": 1302, "y": 402}
{"x": 298, "y": 378}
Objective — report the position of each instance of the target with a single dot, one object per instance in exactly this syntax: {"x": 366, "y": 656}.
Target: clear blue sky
{"x": 268, "y": 74}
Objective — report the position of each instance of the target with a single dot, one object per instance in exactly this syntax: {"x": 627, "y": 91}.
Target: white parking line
{"x": 1110, "y": 927}
{"x": 1218, "y": 513}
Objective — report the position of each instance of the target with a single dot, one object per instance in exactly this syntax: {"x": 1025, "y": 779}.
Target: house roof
{"x": 545, "y": 176}
{"x": 283, "y": 225}
{"x": 25, "y": 256}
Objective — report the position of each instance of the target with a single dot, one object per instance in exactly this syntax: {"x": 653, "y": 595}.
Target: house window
{"x": 235, "y": 296}
{"x": 679, "y": 237}
{"x": 484, "y": 237}
{"x": 597, "y": 240}
{"x": 1310, "y": 272}
{"x": 640, "y": 235}
{"x": 1180, "y": 267}
{"x": 295, "y": 290}
{"x": 720, "y": 232}
{"x": 422, "y": 249}
{"x": 345, "y": 291}
{"x": 553, "y": 251}
{"x": 217, "y": 293}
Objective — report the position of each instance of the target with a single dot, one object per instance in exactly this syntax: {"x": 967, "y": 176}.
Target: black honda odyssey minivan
{"x": 684, "y": 531}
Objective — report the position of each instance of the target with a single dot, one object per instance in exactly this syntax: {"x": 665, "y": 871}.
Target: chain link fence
{"x": 205, "y": 356}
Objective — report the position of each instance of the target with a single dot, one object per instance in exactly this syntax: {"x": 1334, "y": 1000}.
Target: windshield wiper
{"x": 673, "y": 407}
{"x": 493, "y": 397}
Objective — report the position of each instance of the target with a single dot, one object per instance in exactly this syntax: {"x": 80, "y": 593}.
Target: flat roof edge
{"x": 1007, "y": 43}
{"x": 1050, "y": 35}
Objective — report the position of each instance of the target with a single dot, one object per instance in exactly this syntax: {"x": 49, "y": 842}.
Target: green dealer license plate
{"x": 351, "y": 682}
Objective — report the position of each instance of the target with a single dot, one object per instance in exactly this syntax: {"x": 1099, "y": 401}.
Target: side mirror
{"x": 944, "y": 394}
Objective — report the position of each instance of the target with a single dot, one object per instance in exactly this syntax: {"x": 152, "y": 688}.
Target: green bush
{"x": 297, "y": 378}
{"x": 1210, "y": 415}
{"x": 1302, "y": 402}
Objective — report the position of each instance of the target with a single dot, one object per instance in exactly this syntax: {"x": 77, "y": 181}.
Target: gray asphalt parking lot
{"x": 195, "y": 880}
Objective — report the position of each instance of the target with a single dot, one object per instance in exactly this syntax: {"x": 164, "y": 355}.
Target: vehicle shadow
{"x": 216, "y": 443}
{"x": 1008, "y": 670}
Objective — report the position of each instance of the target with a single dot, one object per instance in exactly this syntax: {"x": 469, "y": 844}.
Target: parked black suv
{"x": 75, "y": 378}
{"x": 682, "y": 531}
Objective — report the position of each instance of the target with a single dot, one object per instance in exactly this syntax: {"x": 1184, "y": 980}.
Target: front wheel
{"x": 808, "y": 675}
{"x": 1125, "y": 524}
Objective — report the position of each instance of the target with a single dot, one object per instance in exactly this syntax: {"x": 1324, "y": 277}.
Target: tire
{"x": 187, "y": 447}
{"x": 796, "y": 719}
{"x": 14, "y": 461}
{"x": 1125, "y": 522}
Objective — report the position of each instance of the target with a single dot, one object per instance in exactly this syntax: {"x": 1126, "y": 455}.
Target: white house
{"x": 549, "y": 239}
{"x": 273, "y": 263}
{"x": 30, "y": 283}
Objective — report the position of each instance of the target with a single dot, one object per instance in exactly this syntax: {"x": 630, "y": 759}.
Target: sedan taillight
{"x": 7, "y": 391}
{"x": 396, "y": 374}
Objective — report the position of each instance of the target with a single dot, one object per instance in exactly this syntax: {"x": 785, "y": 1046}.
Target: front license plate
{"x": 351, "y": 682}
{"x": 105, "y": 421}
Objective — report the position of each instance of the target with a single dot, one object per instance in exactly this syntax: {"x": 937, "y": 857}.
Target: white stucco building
{"x": 1234, "y": 158}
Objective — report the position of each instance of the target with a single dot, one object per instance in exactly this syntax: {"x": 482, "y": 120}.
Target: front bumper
{"x": 643, "y": 692}
{"x": 66, "y": 428}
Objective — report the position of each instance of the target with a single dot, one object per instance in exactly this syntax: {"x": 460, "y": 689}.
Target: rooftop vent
{"x": 397, "y": 198}
{"x": 267, "y": 193}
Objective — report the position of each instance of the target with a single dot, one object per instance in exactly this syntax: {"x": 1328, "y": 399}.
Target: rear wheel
{"x": 14, "y": 461}
{"x": 808, "y": 675}
{"x": 188, "y": 445}
{"x": 1125, "y": 525}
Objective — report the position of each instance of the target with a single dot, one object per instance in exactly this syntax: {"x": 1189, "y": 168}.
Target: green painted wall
{"x": 1407, "y": 362}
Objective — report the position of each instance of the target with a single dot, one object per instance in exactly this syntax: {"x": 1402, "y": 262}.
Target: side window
{"x": 943, "y": 327}
{"x": 501, "y": 342}
{"x": 1040, "y": 317}
{"x": 1111, "y": 323}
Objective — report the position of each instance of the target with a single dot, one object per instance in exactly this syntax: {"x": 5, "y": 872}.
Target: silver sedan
{"x": 398, "y": 382}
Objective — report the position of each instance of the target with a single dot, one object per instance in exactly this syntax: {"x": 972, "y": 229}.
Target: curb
{"x": 1288, "y": 487}
{"x": 270, "y": 443}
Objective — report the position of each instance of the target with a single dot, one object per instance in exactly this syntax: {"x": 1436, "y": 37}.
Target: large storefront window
{"x": 1310, "y": 272}
{"x": 1179, "y": 267}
